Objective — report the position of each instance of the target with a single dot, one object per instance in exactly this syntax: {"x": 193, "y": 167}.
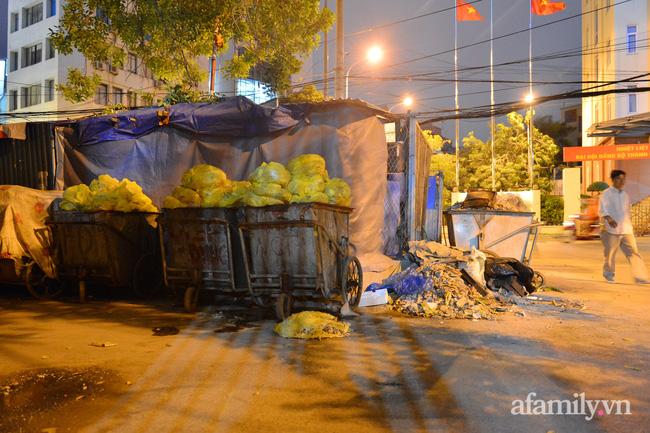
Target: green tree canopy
{"x": 169, "y": 35}
{"x": 511, "y": 151}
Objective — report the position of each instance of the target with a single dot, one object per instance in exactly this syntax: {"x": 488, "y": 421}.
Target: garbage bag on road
{"x": 312, "y": 325}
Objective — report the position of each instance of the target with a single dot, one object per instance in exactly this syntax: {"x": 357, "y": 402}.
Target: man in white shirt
{"x": 617, "y": 233}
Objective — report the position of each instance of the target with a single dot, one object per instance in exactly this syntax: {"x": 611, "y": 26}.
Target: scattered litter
{"x": 162, "y": 331}
{"x": 312, "y": 325}
{"x": 79, "y": 397}
{"x": 630, "y": 367}
{"x": 129, "y": 383}
{"x": 45, "y": 357}
{"x": 104, "y": 344}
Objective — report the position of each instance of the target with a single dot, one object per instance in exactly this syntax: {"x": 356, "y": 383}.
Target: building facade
{"x": 614, "y": 46}
{"x": 35, "y": 68}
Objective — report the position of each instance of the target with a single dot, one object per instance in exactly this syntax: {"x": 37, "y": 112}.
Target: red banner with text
{"x": 617, "y": 152}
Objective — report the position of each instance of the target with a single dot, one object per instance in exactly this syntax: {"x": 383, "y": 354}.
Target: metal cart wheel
{"x": 352, "y": 281}
{"x": 283, "y": 306}
{"x": 191, "y": 299}
{"x": 147, "y": 276}
{"x": 40, "y": 285}
{"x": 538, "y": 280}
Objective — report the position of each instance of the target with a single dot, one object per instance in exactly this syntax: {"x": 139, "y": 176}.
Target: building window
{"x": 571, "y": 116}
{"x": 51, "y": 8}
{"x": 32, "y": 55}
{"x": 118, "y": 95}
{"x": 50, "y": 52}
{"x": 133, "y": 63}
{"x": 631, "y": 102}
{"x": 13, "y": 61}
{"x": 49, "y": 90}
{"x": 32, "y": 15}
{"x": 254, "y": 90}
{"x": 15, "y": 22}
{"x": 31, "y": 95}
{"x": 13, "y": 100}
{"x": 101, "y": 94}
{"x": 631, "y": 39}
{"x": 131, "y": 99}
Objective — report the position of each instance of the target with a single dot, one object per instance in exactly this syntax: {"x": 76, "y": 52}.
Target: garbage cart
{"x": 111, "y": 248}
{"x": 299, "y": 256}
{"x": 198, "y": 252}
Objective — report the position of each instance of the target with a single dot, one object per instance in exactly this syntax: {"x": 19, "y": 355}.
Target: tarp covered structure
{"x": 155, "y": 148}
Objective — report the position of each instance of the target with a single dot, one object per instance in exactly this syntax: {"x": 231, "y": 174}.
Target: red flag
{"x": 465, "y": 12}
{"x": 546, "y": 7}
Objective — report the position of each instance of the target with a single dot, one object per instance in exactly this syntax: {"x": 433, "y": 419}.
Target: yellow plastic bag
{"x": 211, "y": 197}
{"x": 78, "y": 195}
{"x": 66, "y": 205}
{"x": 306, "y": 185}
{"x": 307, "y": 165}
{"x": 338, "y": 192}
{"x": 203, "y": 176}
{"x": 319, "y": 197}
{"x": 254, "y": 200}
{"x": 272, "y": 190}
{"x": 104, "y": 183}
{"x": 238, "y": 189}
{"x": 312, "y": 325}
{"x": 172, "y": 202}
{"x": 188, "y": 197}
{"x": 273, "y": 172}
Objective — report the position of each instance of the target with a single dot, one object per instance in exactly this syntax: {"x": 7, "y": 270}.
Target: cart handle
{"x": 509, "y": 235}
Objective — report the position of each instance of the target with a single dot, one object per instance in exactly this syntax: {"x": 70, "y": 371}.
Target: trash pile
{"x": 443, "y": 282}
{"x": 107, "y": 194}
{"x": 312, "y": 325}
{"x": 304, "y": 180}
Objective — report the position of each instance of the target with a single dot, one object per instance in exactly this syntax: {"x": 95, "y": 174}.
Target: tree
{"x": 168, "y": 36}
{"x": 558, "y": 131}
{"x": 441, "y": 162}
{"x": 308, "y": 94}
{"x": 511, "y": 152}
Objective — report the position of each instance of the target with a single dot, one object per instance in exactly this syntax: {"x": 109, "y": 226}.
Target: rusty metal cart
{"x": 299, "y": 255}
{"x": 112, "y": 248}
{"x": 197, "y": 252}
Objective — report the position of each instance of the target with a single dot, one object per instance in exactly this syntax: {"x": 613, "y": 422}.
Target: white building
{"x": 34, "y": 67}
{"x": 614, "y": 42}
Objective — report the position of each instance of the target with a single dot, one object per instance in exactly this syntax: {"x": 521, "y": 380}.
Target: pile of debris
{"x": 443, "y": 282}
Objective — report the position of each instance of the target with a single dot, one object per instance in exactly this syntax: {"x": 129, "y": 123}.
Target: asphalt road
{"x": 392, "y": 374}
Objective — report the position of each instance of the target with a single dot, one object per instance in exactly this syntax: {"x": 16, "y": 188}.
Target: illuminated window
{"x": 254, "y": 90}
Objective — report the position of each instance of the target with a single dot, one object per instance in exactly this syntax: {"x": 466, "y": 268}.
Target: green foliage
{"x": 169, "y": 36}
{"x": 558, "y": 131}
{"x": 179, "y": 93}
{"x": 308, "y": 94}
{"x": 598, "y": 186}
{"x": 552, "y": 209}
{"x": 441, "y": 162}
{"x": 114, "y": 108}
{"x": 79, "y": 87}
{"x": 511, "y": 153}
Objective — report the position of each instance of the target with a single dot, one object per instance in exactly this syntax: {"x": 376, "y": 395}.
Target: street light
{"x": 529, "y": 99}
{"x": 407, "y": 102}
{"x": 373, "y": 56}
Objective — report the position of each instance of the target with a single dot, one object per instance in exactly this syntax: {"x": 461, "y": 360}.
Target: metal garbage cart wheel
{"x": 40, "y": 285}
{"x": 352, "y": 281}
{"x": 538, "y": 280}
{"x": 191, "y": 299}
{"x": 283, "y": 306}
{"x": 147, "y": 276}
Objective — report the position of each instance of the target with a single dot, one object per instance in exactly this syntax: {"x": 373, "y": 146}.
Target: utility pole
{"x": 339, "y": 80}
{"x": 326, "y": 62}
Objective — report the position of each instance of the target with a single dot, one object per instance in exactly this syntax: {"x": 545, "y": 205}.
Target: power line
{"x": 507, "y": 35}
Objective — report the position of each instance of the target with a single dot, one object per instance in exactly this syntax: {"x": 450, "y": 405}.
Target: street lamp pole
{"x": 347, "y": 77}
{"x": 531, "y": 155}
{"x": 373, "y": 55}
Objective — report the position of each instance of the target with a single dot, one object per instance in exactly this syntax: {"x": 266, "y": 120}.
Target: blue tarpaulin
{"x": 232, "y": 117}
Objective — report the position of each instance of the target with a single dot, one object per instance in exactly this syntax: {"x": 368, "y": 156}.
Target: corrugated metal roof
{"x": 629, "y": 126}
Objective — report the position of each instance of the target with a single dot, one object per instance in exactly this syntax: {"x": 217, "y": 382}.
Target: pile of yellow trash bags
{"x": 304, "y": 180}
{"x": 107, "y": 194}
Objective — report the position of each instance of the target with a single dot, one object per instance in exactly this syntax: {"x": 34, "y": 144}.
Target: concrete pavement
{"x": 392, "y": 374}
